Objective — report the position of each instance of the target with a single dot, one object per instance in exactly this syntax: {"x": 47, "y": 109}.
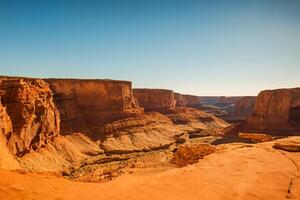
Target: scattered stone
{"x": 256, "y": 137}
{"x": 186, "y": 155}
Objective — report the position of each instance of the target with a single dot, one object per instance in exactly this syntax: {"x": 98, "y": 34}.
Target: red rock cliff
{"x": 87, "y": 105}
{"x": 7, "y": 160}
{"x": 276, "y": 110}
{"x": 155, "y": 99}
{"x": 244, "y": 107}
{"x": 179, "y": 100}
{"x": 35, "y": 119}
{"x": 191, "y": 100}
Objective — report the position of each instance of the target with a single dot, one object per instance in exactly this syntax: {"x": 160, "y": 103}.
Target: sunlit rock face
{"x": 7, "y": 160}
{"x": 179, "y": 100}
{"x": 34, "y": 116}
{"x": 191, "y": 100}
{"x": 87, "y": 105}
{"x": 155, "y": 99}
{"x": 244, "y": 107}
{"x": 276, "y": 110}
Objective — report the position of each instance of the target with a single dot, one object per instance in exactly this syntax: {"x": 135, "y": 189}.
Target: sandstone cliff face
{"x": 179, "y": 100}
{"x": 5, "y": 122}
{"x": 244, "y": 107}
{"x": 87, "y": 105}
{"x": 276, "y": 110}
{"x": 7, "y": 160}
{"x": 155, "y": 99}
{"x": 35, "y": 119}
{"x": 191, "y": 100}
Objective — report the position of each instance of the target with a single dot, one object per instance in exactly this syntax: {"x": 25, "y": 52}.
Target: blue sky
{"x": 197, "y": 47}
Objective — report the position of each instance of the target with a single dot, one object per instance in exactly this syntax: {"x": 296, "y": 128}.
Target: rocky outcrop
{"x": 87, "y": 105}
{"x": 5, "y": 122}
{"x": 187, "y": 155}
{"x": 244, "y": 107}
{"x": 63, "y": 154}
{"x": 191, "y": 101}
{"x": 7, "y": 160}
{"x": 147, "y": 132}
{"x": 193, "y": 121}
{"x": 275, "y": 111}
{"x": 35, "y": 119}
{"x": 155, "y": 99}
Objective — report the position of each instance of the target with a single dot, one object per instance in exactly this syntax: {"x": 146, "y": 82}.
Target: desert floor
{"x": 235, "y": 171}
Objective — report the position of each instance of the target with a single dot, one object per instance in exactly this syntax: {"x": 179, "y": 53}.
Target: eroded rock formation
{"x": 7, "y": 160}
{"x": 191, "y": 100}
{"x": 193, "y": 121}
{"x": 87, "y": 105}
{"x": 155, "y": 99}
{"x": 179, "y": 100}
{"x": 150, "y": 131}
{"x": 35, "y": 119}
{"x": 244, "y": 107}
{"x": 275, "y": 111}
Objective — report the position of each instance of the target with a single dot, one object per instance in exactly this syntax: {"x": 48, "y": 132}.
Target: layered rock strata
{"x": 155, "y": 99}
{"x": 87, "y": 105}
{"x": 244, "y": 107}
{"x": 147, "y": 132}
{"x": 191, "y": 100}
{"x": 179, "y": 100}
{"x": 276, "y": 110}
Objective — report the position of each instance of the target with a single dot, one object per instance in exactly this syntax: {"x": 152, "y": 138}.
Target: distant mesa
{"x": 275, "y": 111}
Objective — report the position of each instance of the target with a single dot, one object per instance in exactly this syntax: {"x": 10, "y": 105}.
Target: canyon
{"x": 275, "y": 111}
{"x": 100, "y": 137}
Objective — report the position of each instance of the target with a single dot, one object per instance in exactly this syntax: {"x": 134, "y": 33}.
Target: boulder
{"x": 187, "y": 155}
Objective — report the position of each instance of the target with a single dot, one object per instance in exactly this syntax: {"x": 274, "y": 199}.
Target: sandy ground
{"x": 236, "y": 171}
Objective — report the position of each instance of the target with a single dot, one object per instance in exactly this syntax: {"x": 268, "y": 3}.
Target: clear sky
{"x": 197, "y": 47}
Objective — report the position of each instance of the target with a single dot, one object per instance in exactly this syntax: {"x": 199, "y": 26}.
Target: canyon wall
{"x": 35, "y": 119}
{"x": 227, "y": 101}
{"x": 209, "y": 100}
{"x": 191, "y": 100}
{"x": 179, "y": 100}
{"x": 87, "y": 105}
{"x": 275, "y": 110}
{"x": 155, "y": 99}
{"x": 244, "y": 107}
{"x": 7, "y": 160}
